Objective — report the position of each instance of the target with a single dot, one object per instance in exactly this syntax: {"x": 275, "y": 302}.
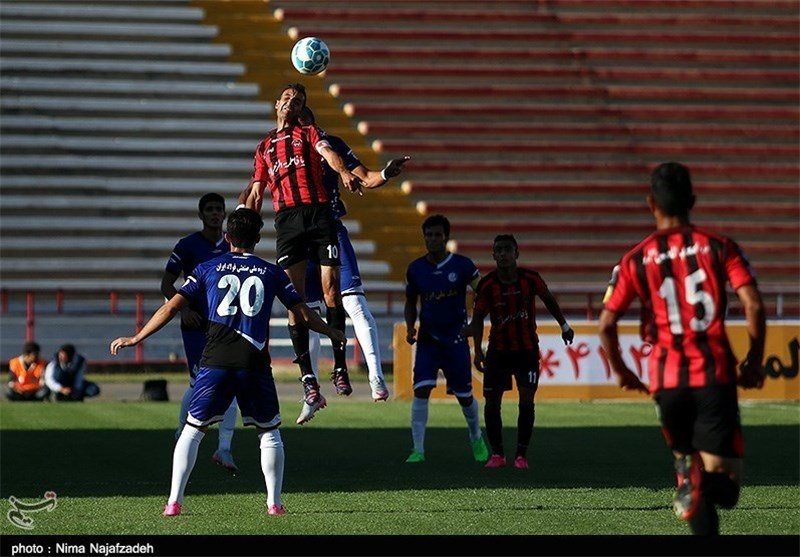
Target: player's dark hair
{"x": 671, "y": 188}
{"x": 307, "y": 116}
{"x": 210, "y": 198}
{"x": 300, "y": 88}
{"x": 505, "y": 238}
{"x": 31, "y": 347}
{"x": 437, "y": 220}
{"x": 244, "y": 227}
{"x": 68, "y": 349}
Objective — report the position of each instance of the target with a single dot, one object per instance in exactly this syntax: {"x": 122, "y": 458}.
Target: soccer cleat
{"x": 225, "y": 459}
{"x": 275, "y": 510}
{"x": 172, "y": 509}
{"x": 688, "y": 474}
{"x": 341, "y": 381}
{"x": 379, "y": 389}
{"x": 496, "y": 461}
{"x": 416, "y": 456}
{"x": 479, "y": 450}
{"x": 521, "y": 462}
{"x": 312, "y": 401}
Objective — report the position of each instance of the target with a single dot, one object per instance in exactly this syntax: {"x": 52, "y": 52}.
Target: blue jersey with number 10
{"x": 238, "y": 290}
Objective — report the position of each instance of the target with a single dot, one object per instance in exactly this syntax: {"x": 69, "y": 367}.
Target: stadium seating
{"x": 116, "y": 117}
{"x": 545, "y": 118}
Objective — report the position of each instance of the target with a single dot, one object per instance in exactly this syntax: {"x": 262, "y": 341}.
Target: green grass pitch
{"x": 596, "y": 468}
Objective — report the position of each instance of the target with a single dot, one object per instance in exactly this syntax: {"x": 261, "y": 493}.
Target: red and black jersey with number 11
{"x": 679, "y": 274}
{"x": 511, "y": 308}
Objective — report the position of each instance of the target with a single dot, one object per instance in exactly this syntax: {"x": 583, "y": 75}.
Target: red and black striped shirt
{"x": 288, "y": 160}
{"x": 679, "y": 274}
{"x": 511, "y": 309}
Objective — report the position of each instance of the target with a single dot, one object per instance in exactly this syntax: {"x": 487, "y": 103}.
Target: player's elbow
{"x": 607, "y": 325}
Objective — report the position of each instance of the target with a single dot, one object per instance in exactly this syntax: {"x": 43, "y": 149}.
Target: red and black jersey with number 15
{"x": 511, "y": 308}
{"x": 288, "y": 160}
{"x": 679, "y": 274}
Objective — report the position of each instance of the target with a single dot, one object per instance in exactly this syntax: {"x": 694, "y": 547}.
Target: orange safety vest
{"x": 27, "y": 378}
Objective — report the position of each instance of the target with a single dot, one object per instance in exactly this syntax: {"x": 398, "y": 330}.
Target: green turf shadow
{"x": 104, "y": 462}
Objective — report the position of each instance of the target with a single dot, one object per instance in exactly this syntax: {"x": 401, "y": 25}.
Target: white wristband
{"x": 565, "y": 327}
{"x": 383, "y": 175}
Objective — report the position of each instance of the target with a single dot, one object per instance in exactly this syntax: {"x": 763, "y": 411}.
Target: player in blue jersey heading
{"x": 188, "y": 253}
{"x": 238, "y": 290}
{"x": 438, "y": 282}
{"x": 352, "y": 289}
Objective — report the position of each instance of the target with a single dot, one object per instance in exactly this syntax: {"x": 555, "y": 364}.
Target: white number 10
{"x": 694, "y": 295}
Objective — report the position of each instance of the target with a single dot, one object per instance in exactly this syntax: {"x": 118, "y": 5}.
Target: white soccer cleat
{"x": 225, "y": 459}
{"x": 309, "y": 410}
{"x": 379, "y": 389}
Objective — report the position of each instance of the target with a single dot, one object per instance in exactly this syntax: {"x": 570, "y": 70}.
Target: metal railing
{"x": 783, "y": 301}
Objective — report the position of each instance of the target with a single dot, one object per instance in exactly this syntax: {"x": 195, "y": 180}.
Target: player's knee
{"x": 270, "y": 439}
{"x": 423, "y": 392}
{"x": 465, "y": 401}
{"x": 720, "y": 489}
{"x": 492, "y": 403}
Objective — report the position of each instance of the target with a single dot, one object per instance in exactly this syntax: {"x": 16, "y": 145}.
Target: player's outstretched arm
{"x": 609, "y": 338}
{"x": 350, "y": 181}
{"x": 751, "y": 371}
{"x": 161, "y": 317}
{"x": 373, "y": 179}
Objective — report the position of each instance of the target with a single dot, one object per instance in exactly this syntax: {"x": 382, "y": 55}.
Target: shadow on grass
{"x": 138, "y": 462}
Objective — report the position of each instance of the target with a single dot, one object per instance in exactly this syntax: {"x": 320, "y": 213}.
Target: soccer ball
{"x": 310, "y": 55}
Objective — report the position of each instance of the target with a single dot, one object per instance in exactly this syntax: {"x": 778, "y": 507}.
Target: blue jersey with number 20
{"x": 239, "y": 290}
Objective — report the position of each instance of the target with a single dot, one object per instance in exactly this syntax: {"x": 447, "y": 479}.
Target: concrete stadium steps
{"x": 623, "y": 210}
{"x": 139, "y": 113}
{"x": 561, "y": 131}
{"x": 460, "y": 111}
{"x": 588, "y": 191}
{"x": 574, "y": 57}
{"x": 598, "y": 93}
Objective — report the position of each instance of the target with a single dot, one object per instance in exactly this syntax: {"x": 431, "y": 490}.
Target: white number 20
{"x": 242, "y": 291}
{"x": 694, "y": 295}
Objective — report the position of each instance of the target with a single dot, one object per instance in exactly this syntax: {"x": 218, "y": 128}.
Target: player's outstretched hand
{"x": 629, "y": 382}
{"x": 395, "y": 166}
{"x": 411, "y": 336}
{"x": 121, "y": 342}
{"x": 568, "y": 336}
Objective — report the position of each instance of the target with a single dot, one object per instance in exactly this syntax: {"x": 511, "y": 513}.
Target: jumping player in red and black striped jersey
{"x": 289, "y": 162}
{"x": 679, "y": 274}
{"x": 508, "y": 296}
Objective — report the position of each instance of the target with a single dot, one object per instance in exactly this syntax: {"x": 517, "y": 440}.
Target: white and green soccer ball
{"x": 310, "y": 55}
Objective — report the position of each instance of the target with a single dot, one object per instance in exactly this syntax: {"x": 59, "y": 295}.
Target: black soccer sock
{"x": 336, "y": 319}
{"x": 705, "y": 521}
{"x": 299, "y": 335}
{"x": 720, "y": 489}
{"x": 525, "y": 419}
{"x": 494, "y": 424}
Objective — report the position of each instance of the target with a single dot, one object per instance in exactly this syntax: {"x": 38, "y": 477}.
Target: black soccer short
{"x": 307, "y": 231}
{"x": 500, "y": 367}
{"x": 701, "y": 419}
